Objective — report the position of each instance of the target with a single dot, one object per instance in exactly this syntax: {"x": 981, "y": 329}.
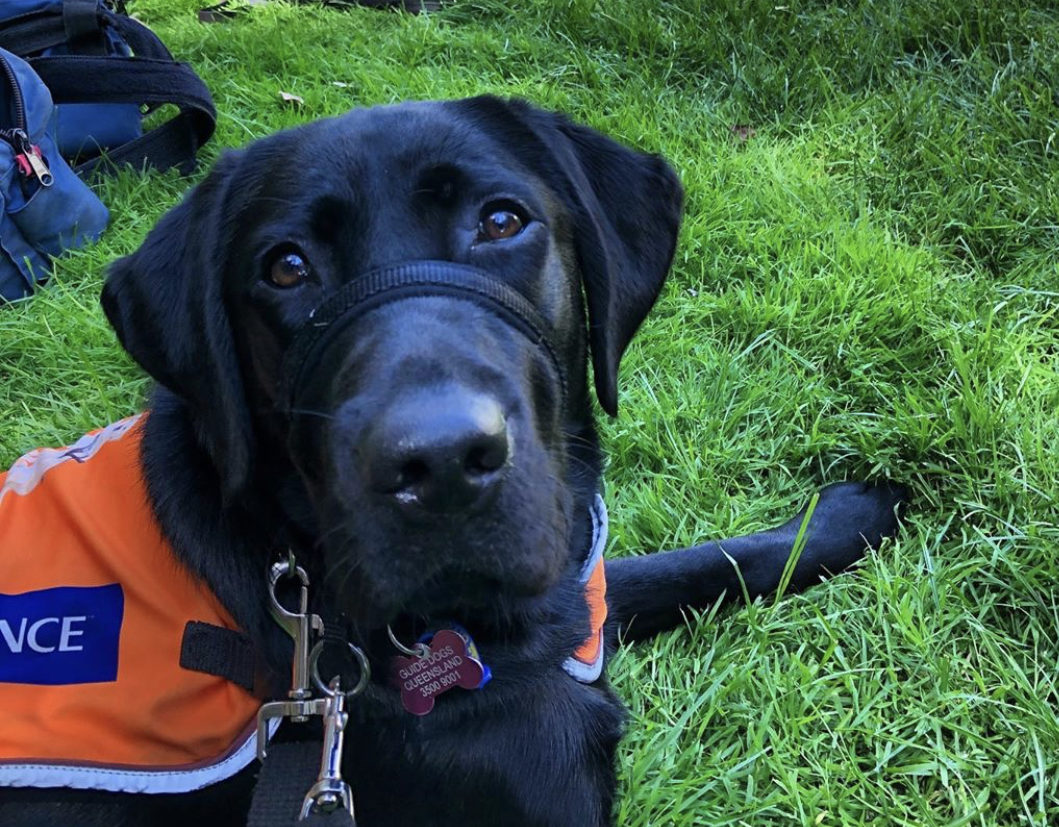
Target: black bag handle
{"x": 32, "y": 32}
{"x": 150, "y": 78}
{"x": 142, "y": 41}
{"x": 79, "y": 24}
{"x": 81, "y": 20}
{"x": 139, "y": 81}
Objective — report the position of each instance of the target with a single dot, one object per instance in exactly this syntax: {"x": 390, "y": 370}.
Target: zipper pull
{"x": 40, "y": 169}
{"x": 31, "y": 161}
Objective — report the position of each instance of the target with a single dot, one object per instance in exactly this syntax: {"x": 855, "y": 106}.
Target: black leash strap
{"x": 287, "y": 773}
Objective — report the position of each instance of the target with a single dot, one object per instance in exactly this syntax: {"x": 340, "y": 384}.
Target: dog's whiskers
{"x": 310, "y": 412}
{"x": 578, "y": 462}
{"x": 272, "y": 199}
{"x": 346, "y": 569}
{"x": 318, "y": 543}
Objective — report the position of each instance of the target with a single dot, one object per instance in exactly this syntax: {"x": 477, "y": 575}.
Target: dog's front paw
{"x": 872, "y": 509}
{"x": 849, "y": 518}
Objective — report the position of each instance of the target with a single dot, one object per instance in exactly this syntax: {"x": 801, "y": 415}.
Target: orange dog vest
{"x": 93, "y": 612}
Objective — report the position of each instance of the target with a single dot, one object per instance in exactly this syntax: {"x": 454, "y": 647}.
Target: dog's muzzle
{"x": 375, "y": 288}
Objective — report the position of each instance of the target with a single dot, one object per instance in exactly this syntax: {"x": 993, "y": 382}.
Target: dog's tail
{"x": 646, "y": 594}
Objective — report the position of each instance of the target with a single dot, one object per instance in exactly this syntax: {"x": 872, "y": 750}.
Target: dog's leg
{"x": 645, "y": 594}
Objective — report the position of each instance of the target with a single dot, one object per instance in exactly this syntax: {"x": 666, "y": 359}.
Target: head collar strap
{"x": 410, "y": 280}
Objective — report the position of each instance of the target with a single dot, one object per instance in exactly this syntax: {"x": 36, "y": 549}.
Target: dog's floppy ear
{"x": 626, "y": 208}
{"x": 166, "y": 303}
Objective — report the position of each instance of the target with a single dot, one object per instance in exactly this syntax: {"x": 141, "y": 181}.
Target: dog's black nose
{"x": 442, "y": 451}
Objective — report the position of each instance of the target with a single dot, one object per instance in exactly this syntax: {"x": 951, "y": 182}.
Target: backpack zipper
{"x": 28, "y": 156}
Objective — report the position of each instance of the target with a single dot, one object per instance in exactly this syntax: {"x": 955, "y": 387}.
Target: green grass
{"x": 867, "y": 286}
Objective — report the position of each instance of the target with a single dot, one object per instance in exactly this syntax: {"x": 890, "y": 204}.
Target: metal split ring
{"x": 326, "y": 688}
{"x": 421, "y": 650}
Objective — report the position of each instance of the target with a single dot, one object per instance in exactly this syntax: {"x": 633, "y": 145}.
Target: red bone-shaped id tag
{"x": 449, "y": 661}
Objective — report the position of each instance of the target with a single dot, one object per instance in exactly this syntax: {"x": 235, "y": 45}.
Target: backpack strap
{"x": 79, "y": 26}
{"x": 33, "y": 32}
{"x": 151, "y": 78}
{"x": 137, "y": 80}
{"x": 142, "y": 41}
{"x": 83, "y": 26}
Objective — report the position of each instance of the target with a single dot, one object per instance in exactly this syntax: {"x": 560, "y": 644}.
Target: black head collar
{"x": 401, "y": 281}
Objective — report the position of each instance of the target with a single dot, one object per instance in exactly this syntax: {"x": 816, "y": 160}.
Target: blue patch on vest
{"x": 59, "y": 636}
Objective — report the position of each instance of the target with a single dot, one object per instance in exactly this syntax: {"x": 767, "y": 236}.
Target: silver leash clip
{"x": 330, "y": 791}
{"x": 299, "y": 625}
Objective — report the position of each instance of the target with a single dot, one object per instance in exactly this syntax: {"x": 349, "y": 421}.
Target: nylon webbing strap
{"x": 215, "y": 650}
{"x": 93, "y": 79}
{"x": 31, "y": 33}
{"x": 410, "y": 280}
{"x": 142, "y": 41}
{"x": 289, "y": 770}
{"x": 149, "y": 79}
{"x": 80, "y": 26}
{"x": 81, "y": 23}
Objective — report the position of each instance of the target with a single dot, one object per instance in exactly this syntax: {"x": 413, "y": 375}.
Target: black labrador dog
{"x": 371, "y": 337}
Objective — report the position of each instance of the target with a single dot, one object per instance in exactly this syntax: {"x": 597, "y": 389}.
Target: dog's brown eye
{"x": 497, "y": 224}
{"x": 289, "y": 270}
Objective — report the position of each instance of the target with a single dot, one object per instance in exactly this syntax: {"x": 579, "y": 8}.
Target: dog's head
{"x": 430, "y": 445}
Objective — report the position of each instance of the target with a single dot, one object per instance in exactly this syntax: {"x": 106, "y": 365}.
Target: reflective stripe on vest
{"x": 93, "y": 607}
{"x": 586, "y": 663}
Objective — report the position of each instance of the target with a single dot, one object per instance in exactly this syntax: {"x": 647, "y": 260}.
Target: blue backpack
{"x": 44, "y": 207}
{"x": 89, "y": 77}
{"x": 106, "y": 72}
